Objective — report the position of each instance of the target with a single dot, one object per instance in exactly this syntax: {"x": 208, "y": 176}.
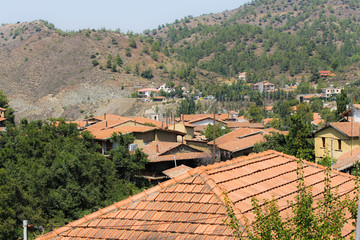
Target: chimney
{"x": 157, "y": 148}
{"x": 105, "y": 116}
{"x": 135, "y": 122}
{"x": 106, "y": 125}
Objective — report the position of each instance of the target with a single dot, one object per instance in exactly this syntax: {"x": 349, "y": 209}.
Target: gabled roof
{"x": 217, "y": 119}
{"x": 240, "y": 132}
{"x": 349, "y": 129}
{"x": 107, "y": 117}
{"x": 158, "y": 152}
{"x": 107, "y": 133}
{"x": 192, "y": 206}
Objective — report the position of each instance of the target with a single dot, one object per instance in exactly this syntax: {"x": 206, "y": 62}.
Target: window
{"x": 323, "y": 142}
{"x": 339, "y": 144}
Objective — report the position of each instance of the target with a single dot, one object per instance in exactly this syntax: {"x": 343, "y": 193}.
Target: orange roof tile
{"x": 80, "y": 124}
{"x": 244, "y": 124}
{"x": 108, "y": 123}
{"x": 176, "y": 171}
{"x": 240, "y": 132}
{"x": 157, "y": 152}
{"x": 108, "y": 117}
{"x": 350, "y": 129}
{"x": 2, "y": 119}
{"x": 241, "y": 144}
{"x": 144, "y": 120}
{"x": 269, "y": 108}
{"x": 2, "y": 109}
{"x": 347, "y": 159}
{"x": 192, "y": 205}
{"x": 357, "y": 106}
{"x": 217, "y": 119}
{"x": 107, "y": 133}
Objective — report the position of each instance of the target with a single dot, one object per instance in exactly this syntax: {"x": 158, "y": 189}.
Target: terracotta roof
{"x": 181, "y": 156}
{"x": 190, "y": 117}
{"x": 350, "y": 129}
{"x": 269, "y": 108}
{"x": 267, "y": 120}
{"x": 240, "y": 132}
{"x": 144, "y": 120}
{"x": 316, "y": 116}
{"x": 2, "y": 109}
{"x": 241, "y": 144}
{"x": 156, "y": 152}
{"x": 192, "y": 206}
{"x": 105, "y": 124}
{"x": 148, "y": 89}
{"x": 2, "y": 119}
{"x": 244, "y": 124}
{"x": 199, "y": 128}
{"x": 256, "y": 125}
{"x": 318, "y": 121}
{"x": 176, "y": 171}
{"x": 108, "y": 117}
{"x": 217, "y": 119}
{"x": 80, "y": 124}
{"x": 347, "y": 159}
{"x": 154, "y": 149}
{"x": 107, "y": 133}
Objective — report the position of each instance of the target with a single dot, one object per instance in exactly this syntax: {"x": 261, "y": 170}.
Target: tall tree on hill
{"x": 341, "y": 102}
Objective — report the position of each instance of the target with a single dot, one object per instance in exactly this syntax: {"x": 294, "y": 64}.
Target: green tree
{"x": 341, "y": 102}
{"x": 147, "y": 74}
{"x": 220, "y": 130}
{"x": 118, "y": 60}
{"x": 132, "y": 43}
{"x": 128, "y": 165}
{"x": 255, "y": 114}
{"x": 187, "y": 106}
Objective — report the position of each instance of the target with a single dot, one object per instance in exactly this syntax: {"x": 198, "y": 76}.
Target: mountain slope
{"x": 50, "y": 73}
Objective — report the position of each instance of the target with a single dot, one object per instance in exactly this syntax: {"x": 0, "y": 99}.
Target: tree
{"x": 51, "y": 175}
{"x": 147, "y": 74}
{"x": 220, "y": 130}
{"x": 118, "y": 60}
{"x": 128, "y": 165}
{"x": 187, "y": 106}
{"x": 255, "y": 114}
{"x": 341, "y": 102}
{"x": 132, "y": 43}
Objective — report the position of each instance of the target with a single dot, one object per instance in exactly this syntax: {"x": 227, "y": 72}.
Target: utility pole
{"x": 331, "y": 153}
{"x": 25, "y": 223}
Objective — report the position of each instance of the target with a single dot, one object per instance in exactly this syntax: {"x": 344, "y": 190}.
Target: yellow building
{"x": 339, "y": 140}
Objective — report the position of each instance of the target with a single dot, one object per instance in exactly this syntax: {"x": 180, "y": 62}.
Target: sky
{"x": 130, "y": 15}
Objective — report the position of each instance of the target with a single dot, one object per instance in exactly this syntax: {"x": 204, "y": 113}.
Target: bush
{"x": 147, "y": 74}
{"x": 95, "y": 62}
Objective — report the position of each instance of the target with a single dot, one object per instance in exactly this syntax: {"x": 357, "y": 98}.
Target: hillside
{"x": 268, "y": 38}
{"x": 49, "y": 73}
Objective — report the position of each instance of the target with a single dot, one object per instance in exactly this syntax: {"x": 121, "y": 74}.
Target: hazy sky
{"x": 135, "y": 15}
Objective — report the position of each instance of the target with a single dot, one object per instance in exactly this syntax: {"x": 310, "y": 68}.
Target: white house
{"x": 146, "y": 92}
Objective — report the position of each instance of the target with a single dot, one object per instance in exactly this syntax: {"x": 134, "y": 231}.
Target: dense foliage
{"x": 284, "y": 37}
{"x": 51, "y": 174}
{"x": 220, "y": 130}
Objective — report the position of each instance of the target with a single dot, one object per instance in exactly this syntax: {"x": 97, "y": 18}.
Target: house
{"x": 317, "y": 121}
{"x": 307, "y": 97}
{"x": 239, "y": 142}
{"x": 325, "y": 74}
{"x": 167, "y": 155}
{"x": 264, "y": 86}
{"x": 147, "y": 92}
{"x": 339, "y": 140}
{"x": 143, "y": 136}
{"x": 330, "y": 91}
{"x": 242, "y": 76}
{"x": 193, "y": 205}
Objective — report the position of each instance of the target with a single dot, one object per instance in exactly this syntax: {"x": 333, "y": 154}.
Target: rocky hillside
{"x": 49, "y": 73}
